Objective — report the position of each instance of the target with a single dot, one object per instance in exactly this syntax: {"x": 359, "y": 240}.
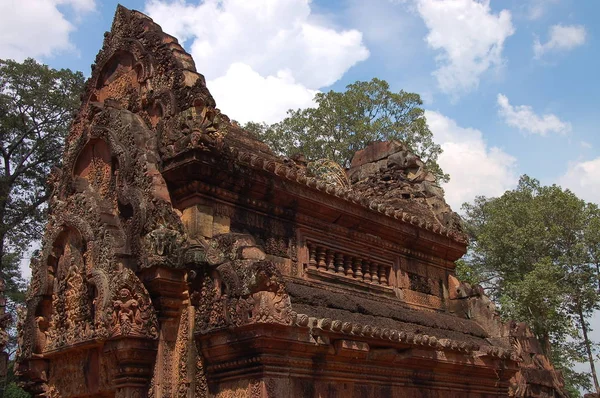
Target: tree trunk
{"x": 4, "y": 192}
{"x": 598, "y": 273}
{"x": 588, "y": 349}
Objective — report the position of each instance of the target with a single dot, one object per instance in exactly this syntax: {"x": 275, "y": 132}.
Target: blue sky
{"x": 510, "y": 86}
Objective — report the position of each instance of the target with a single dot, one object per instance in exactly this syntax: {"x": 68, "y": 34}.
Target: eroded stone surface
{"x": 389, "y": 173}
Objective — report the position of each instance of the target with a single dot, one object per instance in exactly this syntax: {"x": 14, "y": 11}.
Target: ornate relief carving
{"x": 164, "y": 246}
{"x": 180, "y": 368}
{"x": 72, "y": 303}
{"x": 200, "y": 383}
{"x": 94, "y": 165}
{"x": 270, "y": 307}
{"x": 131, "y": 313}
{"x": 67, "y": 376}
{"x": 239, "y": 287}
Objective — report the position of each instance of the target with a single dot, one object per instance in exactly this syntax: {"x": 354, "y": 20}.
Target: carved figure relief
{"x": 118, "y": 79}
{"x": 163, "y": 246}
{"x": 71, "y": 320}
{"x": 94, "y": 166}
{"x": 131, "y": 312}
{"x": 270, "y": 307}
{"x": 127, "y": 316}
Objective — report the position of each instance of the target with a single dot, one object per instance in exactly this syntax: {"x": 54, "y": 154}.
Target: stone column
{"x": 134, "y": 359}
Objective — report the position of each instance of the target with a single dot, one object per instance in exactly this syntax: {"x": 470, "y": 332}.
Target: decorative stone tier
{"x": 317, "y": 326}
{"x": 284, "y": 171}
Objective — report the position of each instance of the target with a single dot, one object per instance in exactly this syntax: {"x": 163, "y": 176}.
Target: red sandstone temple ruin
{"x": 183, "y": 258}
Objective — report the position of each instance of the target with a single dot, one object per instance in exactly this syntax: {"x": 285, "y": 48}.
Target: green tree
{"x": 36, "y": 107}
{"x": 11, "y": 388}
{"x": 345, "y": 122}
{"x": 535, "y": 251}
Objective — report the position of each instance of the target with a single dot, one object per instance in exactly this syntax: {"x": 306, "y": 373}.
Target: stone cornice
{"x": 407, "y": 228}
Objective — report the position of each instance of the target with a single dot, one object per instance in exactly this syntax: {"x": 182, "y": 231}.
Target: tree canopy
{"x": 535, "y": 250}
{"x": 345, "y": 122}
{"x": 36, "y": 107}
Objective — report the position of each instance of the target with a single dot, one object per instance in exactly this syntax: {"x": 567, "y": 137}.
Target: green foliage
{"x": 14, "y": 391}
{"x": 345, "y": 122}
{"x": 535, "y": 249}
{"x": 36, "y": 106}
{"x": 10, "y": 386}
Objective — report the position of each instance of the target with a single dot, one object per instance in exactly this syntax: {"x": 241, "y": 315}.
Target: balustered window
{"x": 357, "y": 267}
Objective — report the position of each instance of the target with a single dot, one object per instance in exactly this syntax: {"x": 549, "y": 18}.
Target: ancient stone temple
{"x": 183, "y": 258}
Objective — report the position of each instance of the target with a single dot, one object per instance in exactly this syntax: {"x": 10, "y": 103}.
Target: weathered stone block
{"x": 375, "y": 152}
{"x": 221, "y": 224}
{"x": 198, "y": 221}
{"x": 251, "y": 253}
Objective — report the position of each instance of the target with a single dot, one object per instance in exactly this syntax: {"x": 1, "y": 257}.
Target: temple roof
{"x": 185, "y": 117}
{"x": 368, "y": 310}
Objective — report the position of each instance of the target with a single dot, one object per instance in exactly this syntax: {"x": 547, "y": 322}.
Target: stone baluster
{"x": 312, "y": 262}
{"x": 383, "y": 275}
{"x": 366, "y": 273}
{"x": 357, "y": 268}
{"x": 339, "y": 263}
{"x": 321, "y": 258}
{"x": 374, "y": 274}
{"x": 330, "y": 264}
{"x": 348, "y": 266}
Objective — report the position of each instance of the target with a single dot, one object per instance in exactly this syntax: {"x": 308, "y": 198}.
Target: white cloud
{"x": 256, "y": 98}
{"x": 470, "y": 39}
{"x": 79, "y": 5}
{"x": 36, "y": 28}
{"x": 383, "y": 22}
{"x": 562, "y": 38}
{"x": 267, "y": 35}
{"x": 583, "y": 178}
{"x": 536, "y": 11}
{"x": 285, "y": 50}
{"x": 537, "y": 8}
{"x": 525, "y": 119}
{"x": 474, "y": 168}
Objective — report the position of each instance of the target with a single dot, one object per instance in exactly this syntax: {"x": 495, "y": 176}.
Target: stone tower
{"x": 183, "y": 258}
